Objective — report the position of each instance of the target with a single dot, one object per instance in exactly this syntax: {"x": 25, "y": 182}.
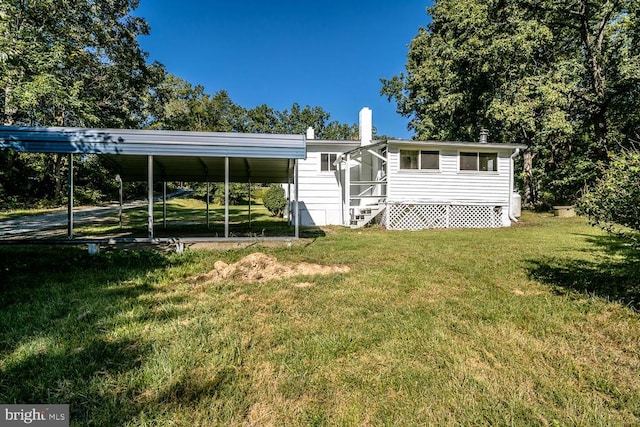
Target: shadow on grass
{"x": 192, "y": 222}
{"x": 59, "y": 308}
{"x": 615, "y": 277}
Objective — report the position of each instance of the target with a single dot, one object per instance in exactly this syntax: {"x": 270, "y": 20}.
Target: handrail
{"x": 381, "y": 196}
{"x": 366, "y": 190}
{"x": 368, "y": 182}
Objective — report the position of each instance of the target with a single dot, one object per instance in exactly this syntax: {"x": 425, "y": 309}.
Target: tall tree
{"x": 558, "y": 75}
{"x": 177, "y": 104}
{"x": 69, "y": 63}
{"x": 75, "y": 62}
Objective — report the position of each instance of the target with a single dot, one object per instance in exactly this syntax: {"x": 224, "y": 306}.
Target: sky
{"x": 326, "y": 53}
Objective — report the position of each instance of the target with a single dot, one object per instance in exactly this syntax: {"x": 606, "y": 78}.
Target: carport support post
{"x": 164, "y": 205}
{"x": 226, "y": 197}
{"x": 150, "y": 196}
{"x": 289, "y": 200}
{"x": 249, "y": 205}
{"x": 341, "y": 191}
{"x": 70, "y": 199}
{"x": 208, "y": 189}
{"x": 119, "y": 181}
{"x": 347, "y": 191}
{"x": 297, "y": 200}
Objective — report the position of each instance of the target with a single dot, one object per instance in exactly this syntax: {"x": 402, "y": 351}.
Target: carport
{"x": 165, "y": 155}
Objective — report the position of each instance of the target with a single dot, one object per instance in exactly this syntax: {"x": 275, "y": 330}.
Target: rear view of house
{"x": 406, "y": 184}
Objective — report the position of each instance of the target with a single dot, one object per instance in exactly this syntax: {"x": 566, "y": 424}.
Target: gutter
{"x": 513, "y": 156}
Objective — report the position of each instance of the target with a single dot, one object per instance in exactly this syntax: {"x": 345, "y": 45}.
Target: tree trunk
{"x": 530, "y": 192}
{"x": 593, "y": 35}
{"x": 57, "y": 176}
{"x": 600, "y": 128}
{"x": 7, "y": 113}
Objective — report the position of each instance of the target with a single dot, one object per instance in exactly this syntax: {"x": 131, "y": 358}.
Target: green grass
{"x": 186, "y": 217}
{"x": 536, "y": 324}
{"x": 17, "y": 213}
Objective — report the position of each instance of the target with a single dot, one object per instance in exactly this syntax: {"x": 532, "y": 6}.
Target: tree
{"x": 74, "y": 65}
{"x": 561, "y": 76}
{"x": 262, "y": 119}
{"x": 296, "y": 120}
{"x": 238, "y": 193}
{"x": 176, "y": 104}
{"x": 78, "y": 65}
{"x": 274, "y": 200}
{"x": 614, "y": 200}
{"x": 340, "y": 131}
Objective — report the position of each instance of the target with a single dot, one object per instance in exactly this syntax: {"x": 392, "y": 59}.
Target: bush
{"x": 614, "y": 200}
{"x": 274, "y": 200}
{"x": 258, "y": 192}
{"x": 238, "y": 193}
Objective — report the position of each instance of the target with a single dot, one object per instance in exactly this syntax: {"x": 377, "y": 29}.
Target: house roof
{"x": 432, "y": 144}
{"x": 347, "y": 143}
{"x": 458, "y": 144}
{"x": 177, "y": 155}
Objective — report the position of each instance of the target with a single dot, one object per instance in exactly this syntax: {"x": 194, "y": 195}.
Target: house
{"x": 406, "y": 184}
{"x": 400, "y": 184}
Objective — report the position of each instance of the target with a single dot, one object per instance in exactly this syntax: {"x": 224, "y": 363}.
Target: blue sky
{"x": 327, "y": 53}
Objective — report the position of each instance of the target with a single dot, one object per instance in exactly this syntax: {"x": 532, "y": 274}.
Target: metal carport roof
{"x": 177, "y": 155}
{"x": 167, "y": 155}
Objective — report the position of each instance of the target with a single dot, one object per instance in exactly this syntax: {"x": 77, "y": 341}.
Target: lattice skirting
{"x": 417, "y": 216}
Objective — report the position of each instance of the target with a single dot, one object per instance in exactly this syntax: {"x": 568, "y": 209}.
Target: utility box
{"x": 516, "y": 205}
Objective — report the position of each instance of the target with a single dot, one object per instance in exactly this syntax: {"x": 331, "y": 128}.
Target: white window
{"x": 479, "y": 162}
{"x": 419, "y": 159}
{"x": 327, "y": 162}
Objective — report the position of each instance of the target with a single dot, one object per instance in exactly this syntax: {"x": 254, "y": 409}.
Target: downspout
{"x": 513, "y": 156}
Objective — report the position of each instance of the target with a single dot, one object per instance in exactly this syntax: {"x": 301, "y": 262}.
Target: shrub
{"x": 274, "y": 200}
{"x": 614, "y": 200}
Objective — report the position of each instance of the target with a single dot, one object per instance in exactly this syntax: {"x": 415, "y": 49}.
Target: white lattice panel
{"x": 412, "y": 216}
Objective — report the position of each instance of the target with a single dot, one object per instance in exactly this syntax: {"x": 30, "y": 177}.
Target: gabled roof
{"x": 178, "y": 155}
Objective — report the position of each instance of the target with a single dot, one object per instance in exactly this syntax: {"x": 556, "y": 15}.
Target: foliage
{"x": 72, "y": 64}
{"x": 238, "y": 193}
{"x": 516, "y": 326}
{"x": 81, "y": 65}
{"x": 264, "y": 119}
{"x": 274, "y": 200}
{"x": 562, "y": 77}
{"x": 614, "y": 200}
{"x": 78, "y": 65}
{"x": 177, "y": 104}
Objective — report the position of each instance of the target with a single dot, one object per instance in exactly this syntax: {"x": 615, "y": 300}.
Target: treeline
{"x": 79, "y": 64}
{"x": 561, "y": 76}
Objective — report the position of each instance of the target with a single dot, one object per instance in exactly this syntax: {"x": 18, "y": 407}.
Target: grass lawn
{"x": 536, "y": 324}
{"x": 17, "y": 213}
{"x": 186, "y": 217}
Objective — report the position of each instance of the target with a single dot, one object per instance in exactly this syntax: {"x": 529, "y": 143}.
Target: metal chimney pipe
{"x": 484, "y": 136}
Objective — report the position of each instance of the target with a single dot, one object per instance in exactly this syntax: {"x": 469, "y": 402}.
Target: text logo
{"x": 34, "y": 415}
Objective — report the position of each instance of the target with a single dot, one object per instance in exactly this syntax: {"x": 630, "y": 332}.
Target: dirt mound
{"x": 259, "y": 267}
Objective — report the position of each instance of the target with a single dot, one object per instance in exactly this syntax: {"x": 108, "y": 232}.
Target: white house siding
{"x": 320, "y": 193}
{"x": 449, "y": 184}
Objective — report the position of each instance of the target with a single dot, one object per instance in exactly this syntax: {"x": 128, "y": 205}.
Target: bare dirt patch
{"x": 260, "y": 267}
